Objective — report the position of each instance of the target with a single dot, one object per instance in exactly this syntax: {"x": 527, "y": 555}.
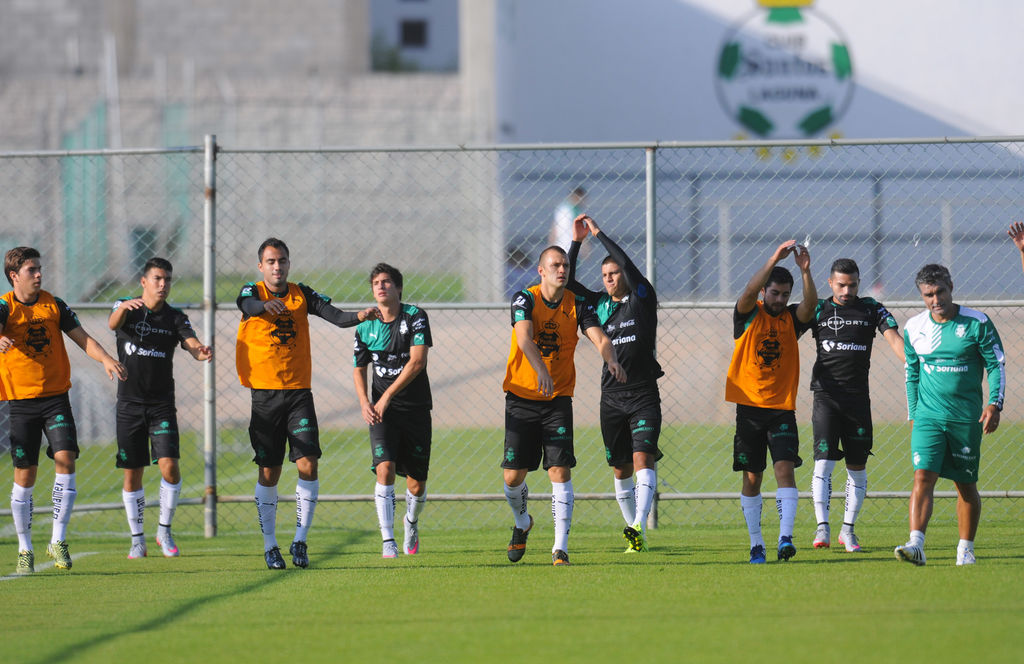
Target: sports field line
{"x": 47, "y": 565}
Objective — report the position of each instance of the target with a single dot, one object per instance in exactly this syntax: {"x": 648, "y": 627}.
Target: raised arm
{"x": 1016, "y": 234}
{"x": 579, "y": 234}
{"x": 320, "y": 305}
{"x": 805, "y": 310}
{"x": 632, "y": 274}
{"x": 120, "y": 312}
{"x": 748, "y": 298}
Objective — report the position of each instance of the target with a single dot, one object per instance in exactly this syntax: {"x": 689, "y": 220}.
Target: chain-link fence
{"x": 466, "y": 227}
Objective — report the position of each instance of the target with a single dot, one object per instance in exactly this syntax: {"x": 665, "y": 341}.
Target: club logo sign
{"x": 784, "y": 71}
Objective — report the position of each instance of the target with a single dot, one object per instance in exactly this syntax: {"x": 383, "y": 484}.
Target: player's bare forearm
{"x": 748, "y": 298}
{"x": 416, "y": 364}
{"x": 117, "y": 316}
{"x": 198, "y": 350}
{"x": 1016, "y": 234}
{"x": 895, "y": 342}
{"x": 370, "y": 416}
{"x": 989, "y": 419}
{"x": 94, "y": 350}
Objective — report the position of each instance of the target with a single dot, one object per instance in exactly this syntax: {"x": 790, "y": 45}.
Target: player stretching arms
{"x": 148, "y": 330}
{"x": 35, "y": 376}
{"x": 272, "y": 356}
{"x": 762, "y": 382}
{"x": 630, "y": 411}
{"x": 399, "y": 413}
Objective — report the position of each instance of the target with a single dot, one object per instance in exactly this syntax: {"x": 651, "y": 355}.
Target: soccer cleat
{"x": 963, "y": 557}
{"x": 411, "y": 542}
{"x": 274, "y": 558}
{"x": 390, "y": 549}
{"x": 167, "y": 545}
{"x": 786, "y": 548}
{"x": 517, "y": 545}
{"x": 757, "y": 555}
{"x": 60, "y": 554}
{"x": 559, "y": 557}
{"x": 299, "y": 556}
{"x": 635, "y": 536}
{"x": 26, "y": 562}
{"x": 911, "y": 553}
{"x": 849, "y": 540}
{"x": 823, "y": 537}
{"x": 138, "y": 549}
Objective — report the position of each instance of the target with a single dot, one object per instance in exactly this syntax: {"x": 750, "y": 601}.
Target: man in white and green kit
{"x": 947, "y": 349}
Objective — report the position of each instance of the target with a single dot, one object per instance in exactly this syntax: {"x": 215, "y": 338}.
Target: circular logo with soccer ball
{"x": 784, "y": 71}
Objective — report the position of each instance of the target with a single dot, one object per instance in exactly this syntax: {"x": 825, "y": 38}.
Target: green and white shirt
{"x": 387, "y": 346}
{"x": 944, "y": 365}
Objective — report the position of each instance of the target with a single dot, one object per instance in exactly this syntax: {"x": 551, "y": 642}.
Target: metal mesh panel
{"x": 466, "y": 227}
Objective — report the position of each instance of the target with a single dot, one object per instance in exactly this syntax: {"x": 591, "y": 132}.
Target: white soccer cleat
{"x": 849, "y": 540}
{"x": 167, "y": 545}
{"x": 411, "y": 542}
{"x": 138, "y": 550}
{"x": 965, "y": 557}
{"x": 911, "y": 553}
{"x": 389, "y": 549}
{"x": 823, "y": 537}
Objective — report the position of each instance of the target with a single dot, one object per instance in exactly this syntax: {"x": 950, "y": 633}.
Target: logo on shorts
{"x": 917, "y": 458}
{"x": 640, "y": 423}
{"x": 860, "y": 431}
{"x": 261, "y": 454}
{"x": 378, "y": 450}
{"x": 304, "y": 426}
{"x": 122, "y": 455}
{"x": 165, "y": 424}
{"x": 510, "y": 455}
{"x": 607, "y": 454}
{"x": 742, "y": 457}
{"x": 561, "y": 430}
{"x": 59, "y": 418}
{"x": 823, "y": 445}
{"x": 783, "y": 427}
{"x": 966, "y": 450}
{"x": 19, "y": 452}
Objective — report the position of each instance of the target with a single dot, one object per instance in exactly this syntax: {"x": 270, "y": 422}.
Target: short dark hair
{"x": 158, "y": 263}
{"x": 276, "y": 244}
{"x": 779, "y": 275}
{"x": 390, "y": 270}
{"x": 932, "y": 274}
{"x": 554, "y": 248}
{"x": 609, "y": 259}
{"x": 845, "y": 266}
{"x": 15, "y": 258}
{"x": 579, "y": 192}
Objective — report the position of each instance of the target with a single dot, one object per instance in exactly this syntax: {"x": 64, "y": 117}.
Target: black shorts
{"x": 537, "y": 428}
{"x": 140, "y": 423}
{"x": 846, "y": 421}
{"x": 30, "y": 418}
{"x": 279, "y": 415}
{"x": 760, "y": 430}
{"x": 403, "y": 437}
{"x": 630, "y": 422}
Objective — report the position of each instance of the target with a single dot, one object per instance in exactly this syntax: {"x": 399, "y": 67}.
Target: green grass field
{"x": 692, "y": 598}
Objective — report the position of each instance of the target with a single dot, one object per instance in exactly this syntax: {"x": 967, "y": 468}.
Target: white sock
{"x": 134, "y": 509}
{"x": 384, "y": 497}
{"x": 916, "y": 538}
{"x": 561, "y": 510}
{"x": 751, "y": 506}
{"x": 646, "y": 485}
{"x": 169, "y": 494}
{"x": 516, "y": 497}
{"x": 965, "y": 545}
{"x": 414, "y": 505}
{"x": 856, "y": 489}
{"x": 306, "y": 493}
{"x": 625, "y": 495}
{"x": 821, "y": 488}
{"x": 64, "y": 493}
{"x": 785, "y": 503}
{"x": 266, "y": 510}
{"x": 21, "y": 509}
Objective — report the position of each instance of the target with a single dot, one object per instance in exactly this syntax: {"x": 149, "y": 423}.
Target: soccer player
{"x": 272, "y": 356}
{"x": 147, "y": 330}
{"x": 947, "y": 347}
{"x": 762, "y": 382}
{"x": 539, "y": 379}
{"x": 844, "y": 330}
{"x": 399, "y": 412}
{"x": 35, "y": 376}
{"x": 630, "y": 411}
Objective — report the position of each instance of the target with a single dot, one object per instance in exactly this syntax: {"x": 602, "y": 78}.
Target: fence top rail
{"x": 502, "y": 306}
{"x": 640, "y": 145}
{"x": 104, "y": 152}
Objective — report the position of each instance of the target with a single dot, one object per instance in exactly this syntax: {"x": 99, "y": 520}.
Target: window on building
{"x": 413, "y": 33}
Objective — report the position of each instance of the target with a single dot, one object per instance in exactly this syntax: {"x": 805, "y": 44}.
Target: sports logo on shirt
{"x": 548, "y": 341}
{"x": 961, "y": 330}
{"x": 284, "y": 331}
{"x": 769, "y": 350}
{"x": 37, "y": 339}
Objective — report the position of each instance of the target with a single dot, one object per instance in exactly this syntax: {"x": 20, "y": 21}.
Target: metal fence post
{"x": 652, "y": 260}
{"x": 209, "y": 327}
